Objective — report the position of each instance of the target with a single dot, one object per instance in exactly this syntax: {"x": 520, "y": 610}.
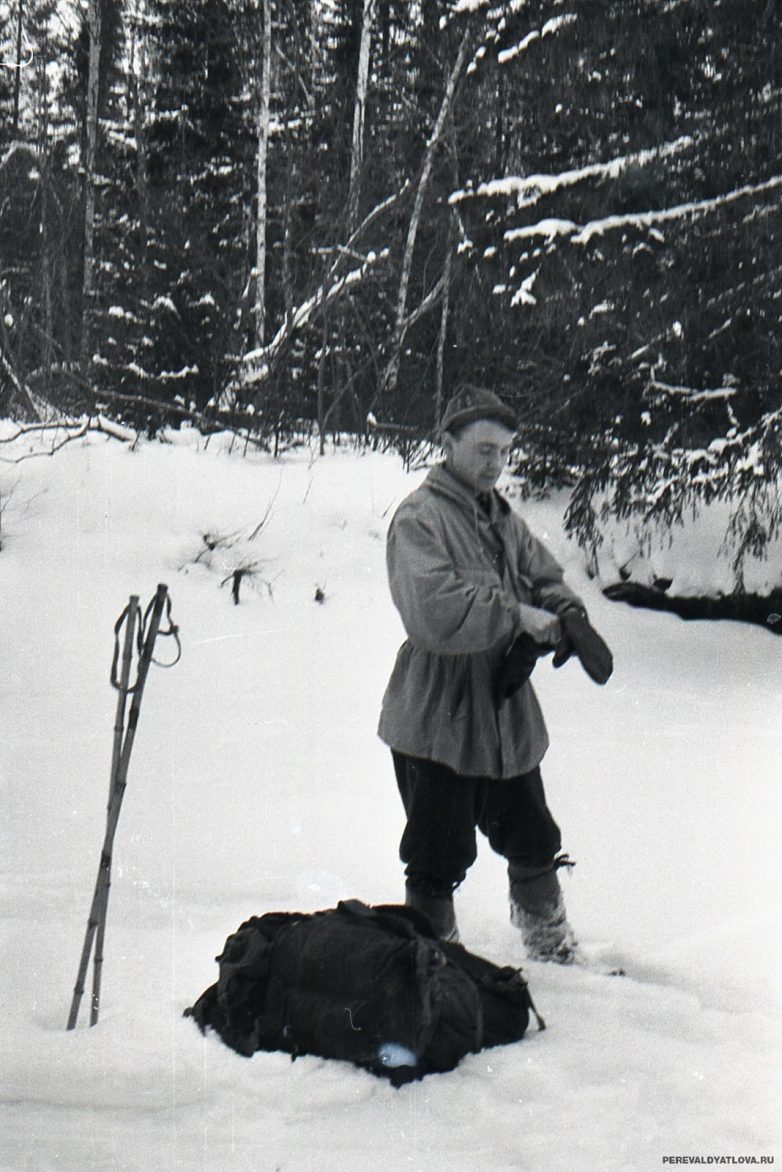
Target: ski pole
{"x": 121, "y": 755}
{"x": 131, "y": 613}
{"x": 96, "y": 919}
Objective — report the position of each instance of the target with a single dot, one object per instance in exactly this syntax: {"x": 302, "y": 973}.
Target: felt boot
{"x": 538, "y": 911}
{"x": 438, "y": 910}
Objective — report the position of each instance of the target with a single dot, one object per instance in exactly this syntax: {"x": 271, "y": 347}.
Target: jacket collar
{"x": 442, "y": 481}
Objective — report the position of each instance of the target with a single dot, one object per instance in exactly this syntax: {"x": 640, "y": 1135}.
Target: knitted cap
{"x": 471, "y": 403}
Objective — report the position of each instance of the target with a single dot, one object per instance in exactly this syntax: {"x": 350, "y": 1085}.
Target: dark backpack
{"x": 371, "y": 986}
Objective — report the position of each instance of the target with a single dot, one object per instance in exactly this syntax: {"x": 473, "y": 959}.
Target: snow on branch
{"x": 663, "y": 215}
{"x": 302, "y": 315}
{"x": 551, "y": 26}
{"x": 468, "y": 6}
{"x": 549, "y": 228}
{"x": 524, "y": 295}
{"x": 507, "y": 9}
{"x": 691, "y": 394}
{"x": 18, "y": 148}
{"x": 528, "y": 189}
{"x": 331, "y": 286}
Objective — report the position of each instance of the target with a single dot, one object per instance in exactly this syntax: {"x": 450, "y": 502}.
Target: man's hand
{"x": 581, "y": 638}
{"x": 543, "y": 626}
{"x": 516, "y": 667}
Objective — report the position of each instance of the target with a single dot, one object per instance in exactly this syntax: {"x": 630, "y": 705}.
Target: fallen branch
{"x": 746, "y": 608}
{"x": 74, "y": 430}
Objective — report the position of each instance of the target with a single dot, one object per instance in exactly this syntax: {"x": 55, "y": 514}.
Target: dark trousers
{"x": 444, "y": 809}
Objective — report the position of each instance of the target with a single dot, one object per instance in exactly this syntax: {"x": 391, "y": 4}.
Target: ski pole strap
{"x": 173, "y": 632}
{"x": 115, "y": 683}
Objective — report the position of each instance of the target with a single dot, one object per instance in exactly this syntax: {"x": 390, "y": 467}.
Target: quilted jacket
{"x": 457, "y": 575}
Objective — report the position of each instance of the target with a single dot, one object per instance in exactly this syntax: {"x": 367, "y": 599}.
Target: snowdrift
{"x": 257, "y": 783}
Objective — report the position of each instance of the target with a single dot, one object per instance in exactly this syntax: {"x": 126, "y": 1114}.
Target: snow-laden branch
{"x": 663, "y": 215}
{"x": 527, "y": 41}
{"x": 524, "y": 295}
{"x": 18, "y": 148}
{"x": 528, "y": 189}
{"x": 462, "y": 7}
{"x": 692, "y": 394}
{"x": 550, "y": 228}
{"x": 509, "y": 8}
{"x": 551, "y": 26}
{"x": 262, "y": 357}
{"x": 303, "y": 314}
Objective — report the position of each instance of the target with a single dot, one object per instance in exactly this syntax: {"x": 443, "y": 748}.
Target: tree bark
{"x": 93, "y": 88}
{"x": 443, "y": 334}
{"x": 264, "y": 111}
{"x": 400, "y": 329}
{"x": 359, "y": 109}
{"x": 137, "y": 71}
{"x": 18, "y": 69}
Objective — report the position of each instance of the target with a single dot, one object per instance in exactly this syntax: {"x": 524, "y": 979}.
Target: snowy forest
{"x": 248, "y": 251}
{"x": 319, "y": 215}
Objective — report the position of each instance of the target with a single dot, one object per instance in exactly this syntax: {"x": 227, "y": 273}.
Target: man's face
{"x": 479, "y": 454}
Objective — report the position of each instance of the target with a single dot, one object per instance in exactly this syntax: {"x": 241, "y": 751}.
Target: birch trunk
{"x": 264, "y": 111}
{"x": 18, "y": 69}
{"x": 392, "y": 370}
{"x": 93, "y": 85}
{"x": 359, "y": 110}
{"x": 443, "y": 334}
{"x": 137, "y": 72}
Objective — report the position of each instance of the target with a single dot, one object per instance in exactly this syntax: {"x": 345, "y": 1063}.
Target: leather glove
{"x": 516, "y": 666}
{"x": 579, "y": 637}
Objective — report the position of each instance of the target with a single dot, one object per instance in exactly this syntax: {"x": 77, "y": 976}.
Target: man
{"x": 480, "y": 599}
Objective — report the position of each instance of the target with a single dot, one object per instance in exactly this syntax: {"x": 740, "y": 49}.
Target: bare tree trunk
{"x": 453, "y": 234}
{"x": 263, "y": 153}
{"x": 18, "y": 69}
{"x": 93, "y": 83}
{"x": 443, "y": 334}
{"x": 287, "y": 249}
{"x": 24, "y": 395}
{"x": 46, "y": 270}
{"x": 137, "y": 72}
{"x": 321, "y": 383}
{"x": 359, "y": 109}
{"x": 392, "y": 370}
{"x": 287, "y": 231}
{"x": 312, "y": 73}
{"x": 48, "y": 203}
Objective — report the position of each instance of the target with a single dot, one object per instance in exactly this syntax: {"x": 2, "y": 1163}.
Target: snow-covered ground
{"x": 257, "y": 783}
